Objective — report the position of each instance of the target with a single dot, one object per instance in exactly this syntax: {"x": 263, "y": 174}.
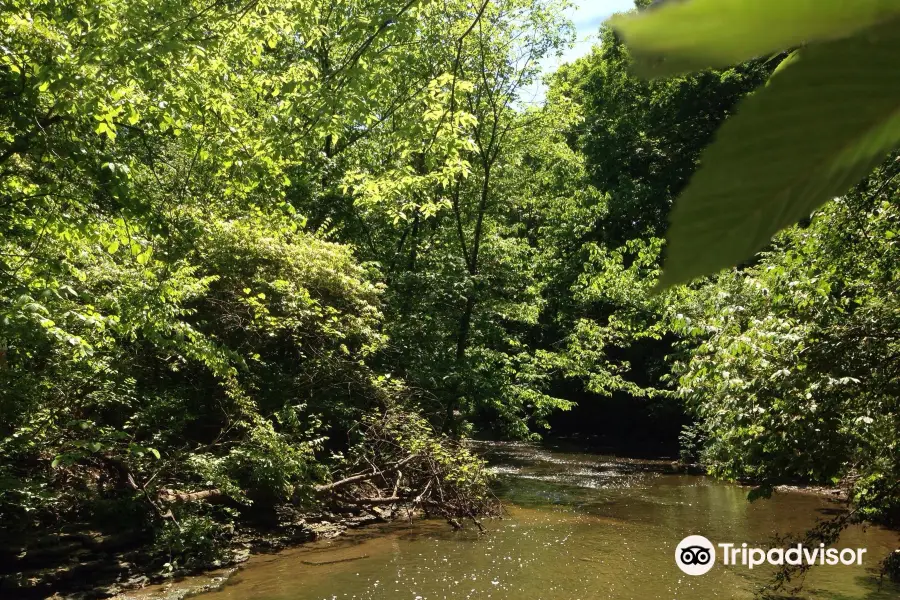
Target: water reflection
{"x": 580, "y": 526}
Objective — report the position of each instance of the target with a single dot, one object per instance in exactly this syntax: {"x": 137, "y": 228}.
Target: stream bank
{"x": 547, "y": 490}
{"x": 578, "y": 525}
{"x": 85, "y": 565}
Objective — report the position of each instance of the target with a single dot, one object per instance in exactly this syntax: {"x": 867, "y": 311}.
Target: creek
{"x": 579, "y": 526}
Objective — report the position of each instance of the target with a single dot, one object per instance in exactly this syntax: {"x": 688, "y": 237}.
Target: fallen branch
{"x": 166, "y": 495}
{"x": 421, "y": 496}
{"x": 402, "y": 463}
{"x": 362, "y": 476}
{"x": 374, "y": 501}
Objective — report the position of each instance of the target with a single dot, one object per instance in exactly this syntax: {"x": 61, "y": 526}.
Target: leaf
{"x": 112, "y": 248}
{"x": 697, "y": 34}
{"x": 154, "y": 452}
{"x": 788, "y": 60}
{"x": 814, "y": 131}
{"x": 144, "y": 257}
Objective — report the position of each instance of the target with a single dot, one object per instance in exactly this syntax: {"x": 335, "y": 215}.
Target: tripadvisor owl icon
{"x": 695, "y": 555}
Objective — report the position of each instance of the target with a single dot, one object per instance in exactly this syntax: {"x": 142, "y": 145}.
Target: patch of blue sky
{"x": 587, "y": 16}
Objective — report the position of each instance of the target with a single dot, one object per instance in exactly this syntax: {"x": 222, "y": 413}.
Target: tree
{"x": 437, "y": 235}
{"x": 177, "y": 345}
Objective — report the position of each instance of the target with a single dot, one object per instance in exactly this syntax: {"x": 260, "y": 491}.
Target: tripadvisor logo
{"x": 696, "y": 555}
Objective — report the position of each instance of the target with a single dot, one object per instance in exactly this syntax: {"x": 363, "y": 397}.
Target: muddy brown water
{"x": 580, "y": 527}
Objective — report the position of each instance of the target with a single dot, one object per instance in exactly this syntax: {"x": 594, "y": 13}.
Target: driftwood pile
{"x": 438, "y": 477}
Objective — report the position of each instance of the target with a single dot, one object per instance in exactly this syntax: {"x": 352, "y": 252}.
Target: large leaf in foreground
{"x": 820, "y": 125}
{"x": 697, "y": 34}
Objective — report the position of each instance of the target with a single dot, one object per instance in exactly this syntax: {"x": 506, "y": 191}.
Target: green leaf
{"x": 154, "y": 452}
{"x": 112, "y": 248}
{"x": 814, "y": 131}
{"x": 788, "y": 60}
{"x": 687, "y": 36}
{"x": 144, "y": 257}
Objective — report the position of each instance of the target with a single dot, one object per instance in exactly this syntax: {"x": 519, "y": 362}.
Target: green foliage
{"x": 823, "y": 122}
{"x": 198, "y": 375}
{"x": 457, "y": 250}
{"x": 770, "y": 167}
{"x": 782, "y": 363}
{"x": 247, "y": 246}
{"x": 642, "y": 139}
{"x": 195, "y": 541}
{"x": 786, "y": 364}
{"x": 170, "y": 323}
{"x": 788, "y": 374}
{"x": 688, "y": 36}
{"x": 639, "y": 142}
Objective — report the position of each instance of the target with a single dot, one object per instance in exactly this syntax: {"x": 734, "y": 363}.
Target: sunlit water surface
{"x": 580, "y": 526}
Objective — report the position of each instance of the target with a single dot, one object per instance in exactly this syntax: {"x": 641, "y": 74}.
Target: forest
{"x": 270, "y": 255}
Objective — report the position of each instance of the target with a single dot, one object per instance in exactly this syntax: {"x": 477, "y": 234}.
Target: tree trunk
{"x": 465, "y": 323}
